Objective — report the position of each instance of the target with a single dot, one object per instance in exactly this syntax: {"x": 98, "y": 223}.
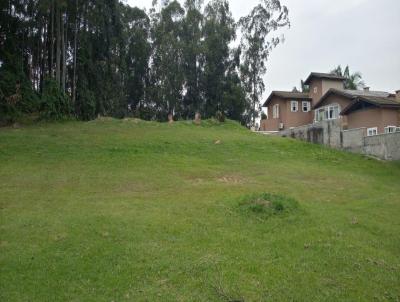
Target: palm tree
{"x": 352, "y": 80}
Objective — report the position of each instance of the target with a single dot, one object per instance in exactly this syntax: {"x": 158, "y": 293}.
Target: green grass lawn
{"x": 122, "y": 210}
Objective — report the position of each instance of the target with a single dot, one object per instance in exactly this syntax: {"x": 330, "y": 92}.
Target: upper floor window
{"x": 306, "y": 106}
{"x": 332, "y": 112}
{"x": 294, "y": 106}
{"x": 329, "y": 112}
{"x": 275, "y": 111}
{"x": 372, "y": 131}
{"x": 315, "y": 89}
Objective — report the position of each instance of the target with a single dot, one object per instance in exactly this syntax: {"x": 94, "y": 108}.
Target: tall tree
{"x": 256, "y": 44}
{"x": 107, "y": 57}
{"x": 191, "y": 38}
{"x": 218, "y": 33}
{"x": 167, "y": 75}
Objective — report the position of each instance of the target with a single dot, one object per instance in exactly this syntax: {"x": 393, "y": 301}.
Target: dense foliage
{"x": 75, "y": 58}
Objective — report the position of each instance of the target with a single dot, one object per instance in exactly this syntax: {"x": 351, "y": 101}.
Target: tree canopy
{"x": 352, "y": 80}
{"x": 75, "y": 58}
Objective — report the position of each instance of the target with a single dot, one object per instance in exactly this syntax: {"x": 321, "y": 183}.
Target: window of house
{"x": 333, "y": 112}
{"x": 275, "y": 111}
{"x": 306, "y": 106}
{"x": 319, "y": 115}
{"x": 294, "y": 106}
{"x": 329, "y": 112}
{"x": 372, "y": 131}
{"x": 390, "y": 129}
{"x": 315, "y": 89}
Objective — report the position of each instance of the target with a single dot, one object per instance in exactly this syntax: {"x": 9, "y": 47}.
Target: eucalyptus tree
{"x": 192, "y": 51}
{"x": 218, "y": 33}
{"x": 136, "y": 35}
{"x": 256, "y": 44}
{"x": 166, "y": 66}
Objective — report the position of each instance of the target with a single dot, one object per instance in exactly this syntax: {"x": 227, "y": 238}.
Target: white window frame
{"x": 307, "y": 106}
{"x": 327, "y": 113}
{"x": 372, "y": 131}
{"x": 319, "y": 114}
{"x": 390, "y": 129}
{"x": 315, "y": 89}
{"x": 275, "y": 111}
{"x": 294, "y": 106}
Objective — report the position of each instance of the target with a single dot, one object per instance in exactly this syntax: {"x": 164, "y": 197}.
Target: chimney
{"x": 366, "y": 88}
{"x": 398, "y": 95}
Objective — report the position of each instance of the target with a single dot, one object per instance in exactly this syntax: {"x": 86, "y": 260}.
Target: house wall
{"x": 328, "y": 84}
{"x": 390, "y": 117}
{"x": 272, "y": 124}
{"x": 316, "y": 96}
{"x": 296, "y": 119}
{"x": 336, "y": 99}
{"x": 323, "y": 85}
{"x": 373, "y": 117}
{"x": 286, "y": 116}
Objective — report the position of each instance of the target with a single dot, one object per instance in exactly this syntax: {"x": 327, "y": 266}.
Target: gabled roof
{"x": 287, "y": 95}
{"x": 352, "y": 94}
{"x": 374, "y": 101}
{"x": 361, "y": 93}
{"x": 320, "y": 75}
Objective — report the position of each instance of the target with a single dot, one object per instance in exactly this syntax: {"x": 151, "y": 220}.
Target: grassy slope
{"x": 125, "y": 211}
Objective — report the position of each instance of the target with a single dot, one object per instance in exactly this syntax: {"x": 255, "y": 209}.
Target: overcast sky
{"x": 324, "y": 33}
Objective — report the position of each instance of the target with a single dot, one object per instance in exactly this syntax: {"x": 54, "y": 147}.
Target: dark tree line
{"x": 87, "y": 58}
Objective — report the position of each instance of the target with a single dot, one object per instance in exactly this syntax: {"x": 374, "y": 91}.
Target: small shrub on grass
{"x": 266, "y": 205}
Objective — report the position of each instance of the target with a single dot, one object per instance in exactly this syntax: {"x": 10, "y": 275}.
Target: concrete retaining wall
{"x": 353, "y": 139}
{"x": 330, "y": 133}
{"x": 384, "y": 146}
{"x": 325, "y": 132}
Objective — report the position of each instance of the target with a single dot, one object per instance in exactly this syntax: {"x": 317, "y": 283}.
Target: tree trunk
{"x": 63, "y": 40}
{"x": 51, "y": 60}
{"x": 58, "y": 49}
{"x": 43, "y": 55}
{"x": 75, "y": 56}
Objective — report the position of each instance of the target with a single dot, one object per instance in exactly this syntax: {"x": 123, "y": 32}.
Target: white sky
{"x": 324, "y": 33}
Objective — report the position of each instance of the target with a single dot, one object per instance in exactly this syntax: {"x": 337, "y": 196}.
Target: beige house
{"x": 286, "y": 110}
{"x": 378, "y": 115}
{"x": 378, "y": 111}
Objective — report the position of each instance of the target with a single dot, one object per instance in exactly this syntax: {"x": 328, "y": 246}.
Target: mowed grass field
{"x": 125, "y": 210}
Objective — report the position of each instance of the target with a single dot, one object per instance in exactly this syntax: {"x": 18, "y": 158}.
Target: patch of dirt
{"x": 59, "y": 237}
{"x": 104, "y": 119}
{"x": 262, "y": 202}
{"x": 196, "y": 181}
{"x": 132, "y": 120}
{"x": 231, "y": 179}
{"x": 3, "y": 243}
